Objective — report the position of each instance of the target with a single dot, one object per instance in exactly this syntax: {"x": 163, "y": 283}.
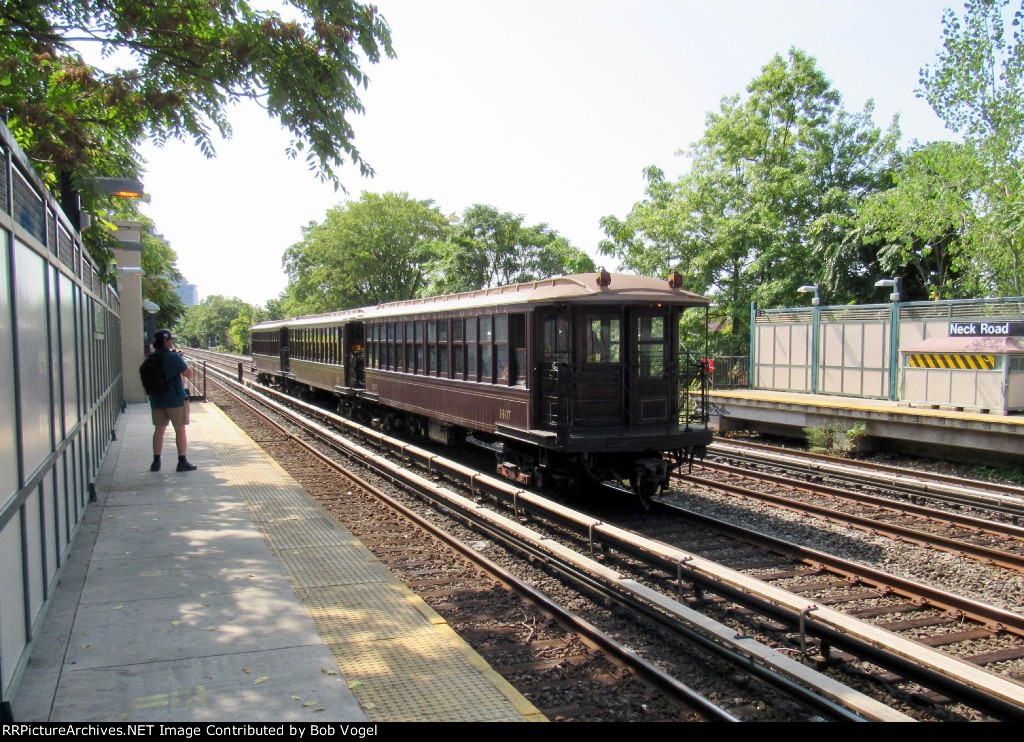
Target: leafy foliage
{"x": 239, "y": 334}
{"x": 491, "y": 248}
{"x": 924, "y": 221}
{"x": 190, "y": 60}
{"x": 977, "y": 87}
{"x": 365, "y": 252}
{"x": 159, "y": 262}
{"x": 762, "y": 209}
{"x": 210, "y": 322}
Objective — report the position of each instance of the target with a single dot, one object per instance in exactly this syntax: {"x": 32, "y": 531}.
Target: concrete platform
{"x": 965, "y": 435}
{"x": 228, "y": 594}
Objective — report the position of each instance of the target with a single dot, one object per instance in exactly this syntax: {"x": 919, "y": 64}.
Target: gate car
{"x": 566, "y": 378}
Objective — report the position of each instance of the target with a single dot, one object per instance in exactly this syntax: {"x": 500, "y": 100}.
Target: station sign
{"x": 987, "y": 328}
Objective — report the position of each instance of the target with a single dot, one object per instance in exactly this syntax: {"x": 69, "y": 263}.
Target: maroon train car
{"x": 569, "y": 377}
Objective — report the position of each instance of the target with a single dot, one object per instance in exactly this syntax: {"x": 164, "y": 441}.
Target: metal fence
{"x": 60, "y": 361}
{"x": 854, "y": 350}
{"x": 731, "y": 372}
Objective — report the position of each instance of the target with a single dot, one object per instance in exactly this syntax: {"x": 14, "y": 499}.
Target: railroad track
{"x": 917, "y": 486}
{"x": 987, "y": 541}
{"x": 555, "y": 658}
{"x": 478, "y": 483}
{"x": 962, "y": 629}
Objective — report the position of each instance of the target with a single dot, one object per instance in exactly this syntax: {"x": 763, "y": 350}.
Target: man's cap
{"x": 162, "y": 336}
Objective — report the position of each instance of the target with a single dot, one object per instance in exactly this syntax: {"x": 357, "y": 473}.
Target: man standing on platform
{"x": 171, "y": 406}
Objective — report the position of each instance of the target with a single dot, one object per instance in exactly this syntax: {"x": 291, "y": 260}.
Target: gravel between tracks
{"x": 605, "y": 699}
{"x": 994, "y": 585}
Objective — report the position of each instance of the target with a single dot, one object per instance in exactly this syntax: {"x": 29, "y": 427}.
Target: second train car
{"x": 569, "y": 378}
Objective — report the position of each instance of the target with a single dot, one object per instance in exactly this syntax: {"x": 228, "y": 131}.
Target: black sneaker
{"x": 155, "y": 466}
{"x": 185, "y": 466}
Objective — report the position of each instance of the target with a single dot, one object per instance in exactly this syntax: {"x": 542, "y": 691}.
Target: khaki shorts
{"x": 176, "y": 416}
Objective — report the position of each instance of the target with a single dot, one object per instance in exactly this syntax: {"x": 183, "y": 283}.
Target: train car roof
{"x": 581, "y": 288}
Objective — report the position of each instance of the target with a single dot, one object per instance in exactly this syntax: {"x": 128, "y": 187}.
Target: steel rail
{"x": 739, "y": 650}
{"x": 978, "y": 524}
{"x": 922, "y": 538}
{"x": 654, "y": 676}
{"x": 991, "y": 693}
{"x": 998, "y": 498}
{"x": 1007, "y": 489}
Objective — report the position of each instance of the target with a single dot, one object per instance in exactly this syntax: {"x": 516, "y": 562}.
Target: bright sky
{"x": 550, "y": 109}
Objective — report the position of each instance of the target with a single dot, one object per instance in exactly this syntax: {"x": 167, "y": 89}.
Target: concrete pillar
{"x": 128, "y": 255}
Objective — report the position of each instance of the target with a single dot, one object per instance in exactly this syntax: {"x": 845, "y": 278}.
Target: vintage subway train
{"x": 567, "y": 378}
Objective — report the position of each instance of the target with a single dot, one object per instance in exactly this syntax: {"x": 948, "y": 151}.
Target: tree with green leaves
{"x": 239, "y": 332}
{"x": 365, "y": 252}
{"x": 161, "y": 277}
{"x": 745, "y": 223}
{"x": 977, "y": 87}
{"x": 490, "y": 248}
{"x": 185, "y": 62}
{"x": 924, "y": 223}
{"x": 209, "y": 322}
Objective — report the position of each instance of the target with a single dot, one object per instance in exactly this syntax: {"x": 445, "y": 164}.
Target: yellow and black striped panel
{"x": 968, "y": 361}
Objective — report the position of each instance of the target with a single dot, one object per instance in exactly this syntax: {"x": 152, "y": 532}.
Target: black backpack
{"x": 154, "y": 381}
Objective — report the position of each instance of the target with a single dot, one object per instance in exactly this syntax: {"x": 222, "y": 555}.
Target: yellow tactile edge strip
{"x": 294, "y": 557}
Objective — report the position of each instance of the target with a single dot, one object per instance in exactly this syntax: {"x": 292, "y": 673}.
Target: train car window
{"x": 557, "y": 339}
{"x": 458, "y": 353}
{"x": 410, "y": 359}
{"x": 651, "y": 347}
{"x": 398, "y": 347}
{"x": 517, "y": 340}
{"x": 486, "y": 350}
{"x": 502, "y": 370}
{"x": 472, "y": 369}
{"x": 501, "y": 364}
{"x": 604, "y": 340}
{"x": 431, "y": 347}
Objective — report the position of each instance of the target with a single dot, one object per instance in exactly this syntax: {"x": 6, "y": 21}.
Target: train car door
{"x": 553, "y": 350}
{"x": 285, "y": 350}
{"x": 602, "y": 364}
{"x": 354, "y": 360}
{"x": 651, "y": 385}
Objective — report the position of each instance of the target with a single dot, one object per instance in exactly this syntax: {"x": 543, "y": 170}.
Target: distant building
{"x": 188, "y": 293}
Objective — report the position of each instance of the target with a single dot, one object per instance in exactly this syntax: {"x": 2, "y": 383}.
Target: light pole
{"x": 896, "y": 284}
{"x": 814, "y": 288}
{"x": 815, "y": 329}
{"x": 150, "y": 308}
